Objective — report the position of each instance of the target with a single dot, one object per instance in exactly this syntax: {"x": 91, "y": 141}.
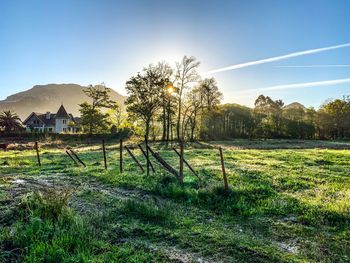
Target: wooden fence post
{"x": 121, "y": 156}
{"x": 188, "y": 165}
{"x": 37, "y": 153}
{"x": 134, "y": 158}
{"x": 181, "y": 160}
{"x": 165, "y": 165}
{"x": 72, "y": 157}
{"x": 223, "y": 169}
{"x": 147, "y": 155}
{"x": 104, "y": 153}
{"x": 76, "y": 156}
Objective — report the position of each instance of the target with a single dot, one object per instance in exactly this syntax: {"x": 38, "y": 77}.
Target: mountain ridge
{"x": 49, "y": 97}
{"x": 295, "y": 105}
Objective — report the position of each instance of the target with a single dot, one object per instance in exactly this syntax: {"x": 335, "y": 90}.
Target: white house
{"x": 61, "y": 122}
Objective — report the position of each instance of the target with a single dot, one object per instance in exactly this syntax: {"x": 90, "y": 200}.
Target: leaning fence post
{"x": 181, "y": 160}
{"x": 104, "y": 153}
{"x": 37, "y": 153}
{"x": 71, "y": 157}
{"x": 147, "y": 155}
{"x": 188, "y": 165}
{"x": 76, "y": 156}
{"x": 121, "y": 156}
{"x": 134, "y": 158}
{"x": 223, "y": 169}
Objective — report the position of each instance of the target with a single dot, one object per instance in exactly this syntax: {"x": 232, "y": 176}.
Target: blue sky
{"x": 89, "y": 42}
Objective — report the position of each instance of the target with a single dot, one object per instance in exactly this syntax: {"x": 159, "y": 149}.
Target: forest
{"x": 176, "y": 103}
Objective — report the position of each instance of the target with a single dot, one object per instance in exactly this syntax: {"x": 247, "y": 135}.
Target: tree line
{"x": 176, "y": 103}
{"x": 271, "y": 119}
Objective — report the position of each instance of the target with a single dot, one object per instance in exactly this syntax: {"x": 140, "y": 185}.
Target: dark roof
{"x": 48, "y": 122}
{"x": 62, "y": 113}
{"x": 42, "y": 118}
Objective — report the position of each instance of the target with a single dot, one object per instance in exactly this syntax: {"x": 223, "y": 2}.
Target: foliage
{"x": 92, "y": 118}
{"x": 10, "y": 121}
{"x": 144, "y": 95}
{"x": 269, "y": 119}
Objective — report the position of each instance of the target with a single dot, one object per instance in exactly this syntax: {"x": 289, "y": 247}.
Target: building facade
{"x": 60, "y": 122}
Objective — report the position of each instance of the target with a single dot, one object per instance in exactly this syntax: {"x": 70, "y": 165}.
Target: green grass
{"x": 284, "y": 205}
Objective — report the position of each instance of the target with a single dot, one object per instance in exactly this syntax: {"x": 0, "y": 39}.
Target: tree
{"x": 268, "y": 116}
{"x": 117, "y": 116}
{"x": 228, "y": 121}
{"x": 92, "y": 117}
{"x": 166, "y": 73}
{"x": 195, "y": 104}
{"x": 144, "y": 95}
{"x": 338, "y": 110}
{"x": 210, "y": 93}
{"x": 10, "y": 121}
{"x": 186, "y": 73}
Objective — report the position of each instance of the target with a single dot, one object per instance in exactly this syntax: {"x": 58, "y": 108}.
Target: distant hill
{"x": 295, "y": 105}
{"x": 43, "y": 98}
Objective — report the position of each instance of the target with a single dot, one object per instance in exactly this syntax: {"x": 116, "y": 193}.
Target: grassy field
{"x": 289, "y": 201}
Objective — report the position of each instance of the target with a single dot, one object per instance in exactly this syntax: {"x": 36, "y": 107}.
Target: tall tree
{"x": 10, "y": 121}
{"x": 210, "y": 93}
{"x": 268, "y": 116}
{"x": 92, "y": 117}
{"x": 195, "y": 104}
{"x": 186, "y": 74}
{"x": 338, "y": 110}
{"x": 166, "y": 73}
{"x": 144, "y": 95}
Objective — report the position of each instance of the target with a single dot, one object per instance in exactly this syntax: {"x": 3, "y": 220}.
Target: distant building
{"x": 61, "y": 122}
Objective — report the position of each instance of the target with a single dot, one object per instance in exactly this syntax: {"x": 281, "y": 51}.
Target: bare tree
{"x": 186, "y": 73}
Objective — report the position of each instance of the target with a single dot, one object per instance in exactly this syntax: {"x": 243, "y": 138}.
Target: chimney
{"x": 48, "y": 115}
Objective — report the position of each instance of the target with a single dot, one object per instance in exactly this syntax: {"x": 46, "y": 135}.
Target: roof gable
{"x": 33, "y": 114}
{"x": 62, "y": 113}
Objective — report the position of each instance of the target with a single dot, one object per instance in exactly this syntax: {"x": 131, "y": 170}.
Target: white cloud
{"x": 301, "y": 85}
{"x": 316, "y": 66}
{"x": 273, "y": 59}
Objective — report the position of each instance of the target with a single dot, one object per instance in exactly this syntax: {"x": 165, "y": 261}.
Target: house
{"x": 60, "y": 122}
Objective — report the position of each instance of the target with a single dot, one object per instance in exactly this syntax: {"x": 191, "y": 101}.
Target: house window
{"x": 64, "y": 129}
{"x": 64, "y": 121}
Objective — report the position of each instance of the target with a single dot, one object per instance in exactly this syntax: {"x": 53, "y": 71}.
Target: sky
{"x": 293, "y": 50}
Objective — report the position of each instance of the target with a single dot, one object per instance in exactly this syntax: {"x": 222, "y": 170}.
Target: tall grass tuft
{"x": 48, "y": 203}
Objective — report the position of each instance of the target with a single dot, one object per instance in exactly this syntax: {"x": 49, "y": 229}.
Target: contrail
{"x": 316, "y": 66}
{"x": 302, "y": 85}
{"x": 268, "y": 60}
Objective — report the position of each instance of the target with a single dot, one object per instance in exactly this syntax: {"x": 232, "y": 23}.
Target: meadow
{"x": 289, "y": 201}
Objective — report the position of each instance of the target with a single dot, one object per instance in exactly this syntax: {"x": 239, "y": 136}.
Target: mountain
{"x": 295, "y": 105}
{"x": 43, "y": 98}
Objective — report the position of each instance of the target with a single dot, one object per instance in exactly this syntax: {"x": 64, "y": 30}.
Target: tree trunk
{"x": 164, "y": 119}
{"x": 168, "y": 122}
{"x": 178, "y": 120}
{"x": 148, "y": 122}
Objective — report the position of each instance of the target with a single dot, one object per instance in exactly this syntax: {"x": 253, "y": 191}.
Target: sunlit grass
{"x": 298, "y": 198}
